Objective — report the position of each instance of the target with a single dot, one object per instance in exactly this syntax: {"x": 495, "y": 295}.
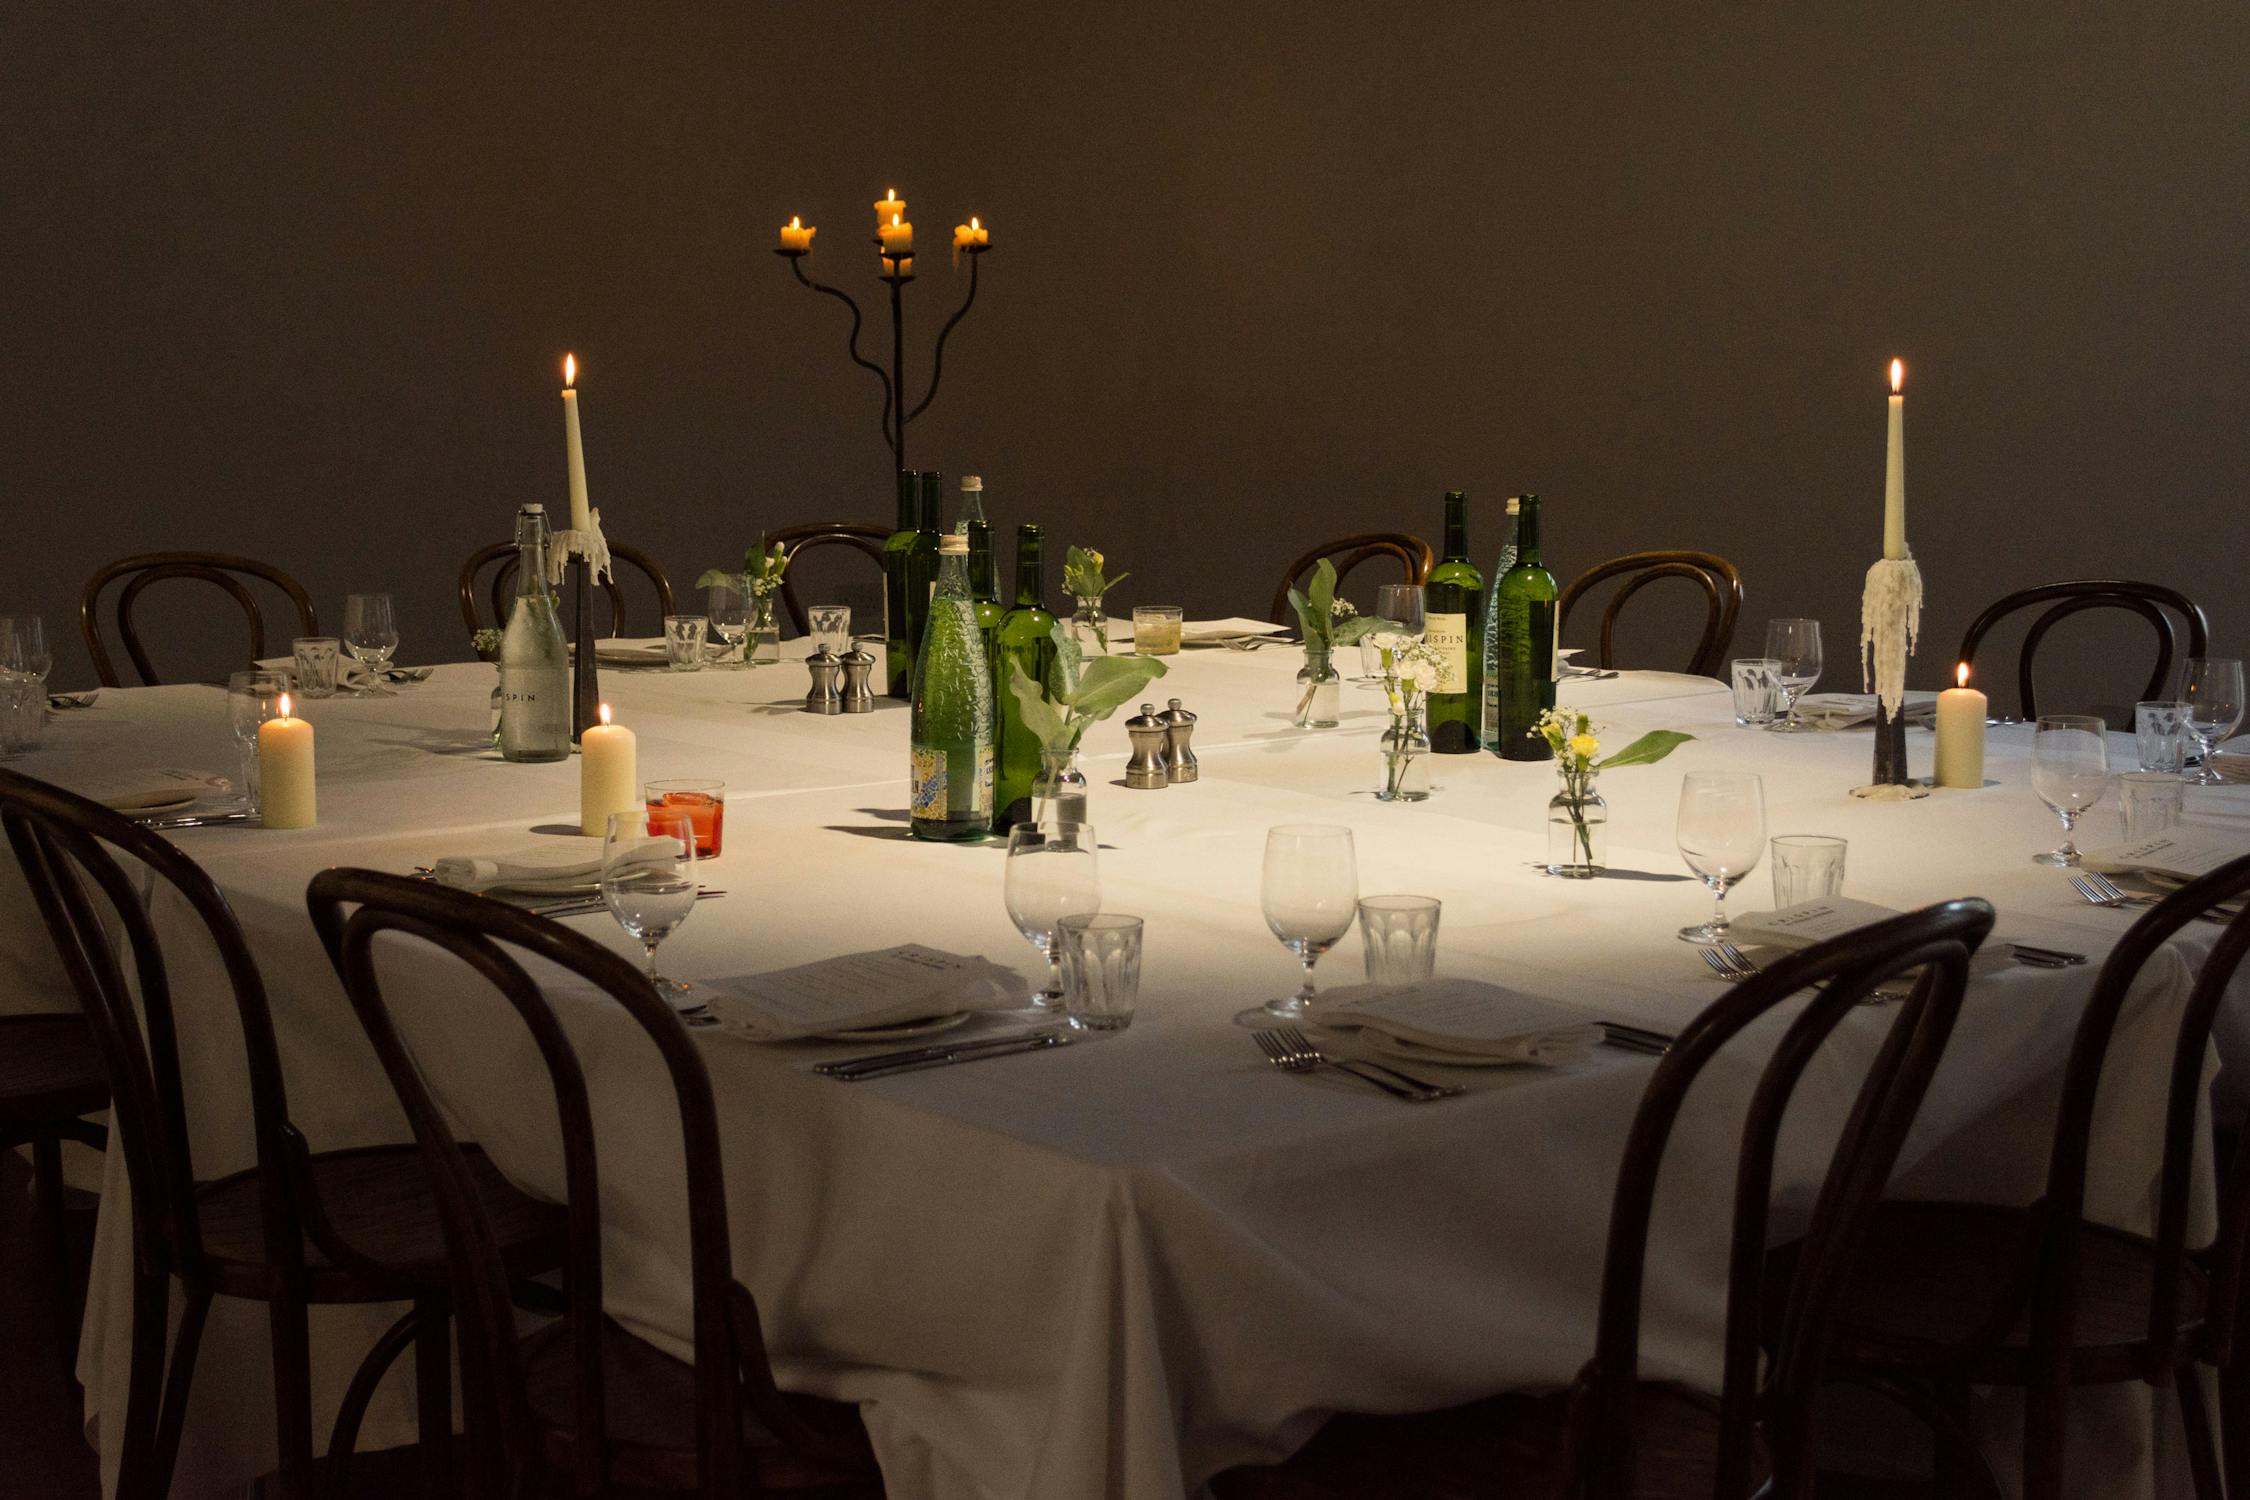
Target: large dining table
{"x": 1118, "y": 1267}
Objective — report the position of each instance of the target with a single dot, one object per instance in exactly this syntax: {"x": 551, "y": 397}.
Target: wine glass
{"x": 253, "y": 698}
{"x": 1311, "y": 897}
{"x": 1796, "y": 645}
{"x": 723, "y": 606}
{"x": 2212, "y": 690}
{"x": 1401, "y": 603}
{"x": 648, "y": 880}
{"x": 23, "y": 647}
{"x": 2069, "y": 770}
{"x": 1052, "y": 873}
{"x": 1722, "y": 831}
{"x": 371, "y": 635}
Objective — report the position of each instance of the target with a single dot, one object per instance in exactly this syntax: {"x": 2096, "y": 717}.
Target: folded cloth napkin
{"x": 142, "y": 788}
{"x": 889, "y": 987}
{"x": 631, "y": 650}
{"x": 1824, "y": 917}
{"x": 350, "y": 670}
{"x": 1850, "y": 710}
{"x": 1219, "y": 632}
{"x": 557, "y": 865}
{"x": 2186, "y": 851}
{"x": 1461, "y": 1021}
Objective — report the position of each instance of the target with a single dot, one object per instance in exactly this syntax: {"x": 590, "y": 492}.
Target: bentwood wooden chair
{"x": 1714, "y": 575}
{"x": 500, "y": 588}
{"x": 50, "y": 1077}
{"x": 1410, "y": 552}
{"x": 1951, "y": 1295}
{"x": 2150, "y": 601}
{"x": 582, "y": 1405}
{"x": 301, "y": 1227}
{"x": 231, "y": 575}
{"x": 1613, "y": 1435}
{"x": 856, "y": 536}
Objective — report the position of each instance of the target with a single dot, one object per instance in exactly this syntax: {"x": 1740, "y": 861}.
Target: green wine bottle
{"x": 1027, "y": 639}
{"x": 1453, "y": 623}
{"x": 901, "y": 611}
{"x": 950, "y": 785}
{"x": 984, "y": 581}
{"x": 1526, "y": 655}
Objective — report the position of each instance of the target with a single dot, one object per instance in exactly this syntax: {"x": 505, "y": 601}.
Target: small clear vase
{"x": 1406, "y": 756}
{"x": 1577, "y": 832}
{"x": 1058, "y": 792}
{"x": 1089, "y": 627}
{"x": 1318, "y": 689}
{"x": 762, "y": 637}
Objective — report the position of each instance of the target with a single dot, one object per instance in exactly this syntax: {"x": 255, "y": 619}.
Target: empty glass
{"x": 253, "y": 698}
{"x": 831, "y": 627}
{"x": 1757, "y": 688}
{"x": 2069, "y": 769}
{"x": 1398, "y": 935}
{"x": 1310, "y": 895}
{"x": 2148, "y": 802}
{"x": 1721, "y": 832}
{"x": 648, "y": 881}
{"x": 1051, "y": 873}
{"x": 1796, "y": 645}
{"x": 318, "y": 657}
{"x": 724, "y": 607}
{"x": 371, "y": 635}
{"x": 23, "y": 712}
{"x": 23, "y": 647}
{"x": 2212, "y": 689}
{"x": 1102, "y": 952}
{"x": 1806, "y": 867}
{"x": 2160, "y": 732}
{"x": 684, "y": 640}
{"x": 1401, "y": 603}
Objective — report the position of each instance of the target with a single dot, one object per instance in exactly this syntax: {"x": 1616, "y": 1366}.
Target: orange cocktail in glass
{"x": 704, "y": 802}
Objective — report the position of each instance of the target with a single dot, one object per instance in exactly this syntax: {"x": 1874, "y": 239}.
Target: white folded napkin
{"x": 1461, "y": 1021}
{"x": 145, "y": 787}
{"x": 1849, "y": 710}
{"x": 350, "y": 670}
{"x": 888, "y": 987}
{"x": 556, "y": 865}
{"x": 631, "y": 650}
{"x": 1219, "y": 632}
{"x": 1816, "y": 921}
{"x": 2187, "y": 850}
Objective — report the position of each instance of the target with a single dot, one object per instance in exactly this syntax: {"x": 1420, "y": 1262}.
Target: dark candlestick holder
{"x": 585, "y": 686}
{"x": 895, "y": 414}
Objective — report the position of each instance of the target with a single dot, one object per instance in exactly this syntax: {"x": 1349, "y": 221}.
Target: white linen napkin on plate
{"x": 1850, "y": 710}
{"x": 888, "y": 987}
{"x": 1461, "y": 1021}
{"x": 555, "y": 865}
{"x": 2187, "y": 851}
{"x": 1219, "y": 632}
{"x": 1824, "y": 917}
{"x": 631, "y": 650}
{"x": 142, "y": 788}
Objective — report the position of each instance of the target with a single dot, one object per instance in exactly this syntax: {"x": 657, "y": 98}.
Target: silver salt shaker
{"x": 1179, "y": 728}
{"x": 858, "y": 667}
{"x": 826, "y": 696}
{"x": 1147, "y": 769}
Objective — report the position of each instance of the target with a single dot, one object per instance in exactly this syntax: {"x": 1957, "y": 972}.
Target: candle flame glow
{"x": 1898, "y": 375}
{"x": 890, "y": 195}
{"x": 1961, "y": 675}
{"x": 973, "y": 224}
{"x": 894, "y": 221}
{"x": 795, "y": 222}
{"x": 285, "y": 705}
{"x": 570, "y": 369}
{"x": 605, "y": 713}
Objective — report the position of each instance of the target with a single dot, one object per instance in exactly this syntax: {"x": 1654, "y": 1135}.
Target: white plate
{"x": 161, "y": 809}
{"x": 1406, "y": 1051}
{"x": 904, "y": 1031}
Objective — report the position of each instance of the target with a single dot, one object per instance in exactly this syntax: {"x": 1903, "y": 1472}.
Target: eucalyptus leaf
{"x": 1646, "y": 750}
{"x": 720, "y": 578}
{"x": 1320, "y": 598}
{"x": 1304, "y": 614}
{"x": 1040, "y": 716}
{"x": 1062, "y": 675}
{"x": 1346, "y": 632}
{"x": 1110, "y": 682}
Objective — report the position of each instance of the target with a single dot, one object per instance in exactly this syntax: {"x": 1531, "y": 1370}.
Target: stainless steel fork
{"x": 1292, "y": 1059}
{"x": 1727, "y": 961}
{"x": 1292, "y": 1037}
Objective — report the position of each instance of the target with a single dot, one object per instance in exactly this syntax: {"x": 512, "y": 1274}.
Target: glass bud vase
{"x": 1577, "y": 832}
{"x": 1318, "y": 689}
{"x": 1406, "y": 756}
{"x": 1058, "y": 792}
{"x": 762, "y": 637}
{"x": 1089, "y": 627}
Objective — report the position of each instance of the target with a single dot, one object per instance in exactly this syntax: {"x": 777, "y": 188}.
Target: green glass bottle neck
{"x": 1456, "y": 528}
{"x": 909, "y": 487}
{"x": 1031, "y": 574}
{"x": 933, "y": 502}
{"x": 952, "y": 577}
{"x": 1527, "y": 532}
{"x": 984, "y": 580}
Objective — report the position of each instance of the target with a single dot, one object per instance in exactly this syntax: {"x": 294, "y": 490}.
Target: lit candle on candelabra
{"x": 580, "y": 519}
{"x": 796, "y": 234}
{"x": 971, "y": 233}
{"x": 1894, "y": 469}
{"x": 891, "y": 209}
{"x": 897, "y": 237}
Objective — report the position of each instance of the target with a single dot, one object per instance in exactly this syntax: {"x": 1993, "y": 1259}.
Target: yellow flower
{"x": 1095, "y": 558}
{"x": 1585, "y": 746}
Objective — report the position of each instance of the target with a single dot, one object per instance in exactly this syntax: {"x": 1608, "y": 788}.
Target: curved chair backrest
{"x": 1410, "y": 552}
{"x": 2148, "y": 600}
{"x": 502, "y": 587}
{"x": 1722, "y": 597}
{"x": 732, "y": 1371}
{"x": 220, "y": 570}
{"x": 858, "y": 536}
{"x": 1938, "y": 941}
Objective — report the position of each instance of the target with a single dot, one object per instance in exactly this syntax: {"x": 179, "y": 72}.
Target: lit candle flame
{"x": 795, "y": 222}
{"x": 1961, "y": 675}
{"x": 570, "y": 369}
{"x": 605, "y": 713}
{"x": 1898, "y": 375}
{"x": 973, "y": 223}
{"x": 285, "y": 705}
{"x": 894, "y": 221}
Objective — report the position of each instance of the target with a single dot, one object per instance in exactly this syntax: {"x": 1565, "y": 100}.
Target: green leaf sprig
{"x": 1077, "y": 694}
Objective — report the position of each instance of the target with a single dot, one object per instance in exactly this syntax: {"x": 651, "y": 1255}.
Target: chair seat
{"x": 1505, "y": 1446}
{"x": 377, "y": 1198}
{"x": 1935, "y": 1276}
{"x": 649, "y": 1398}
{"x": 50, "y": 1069}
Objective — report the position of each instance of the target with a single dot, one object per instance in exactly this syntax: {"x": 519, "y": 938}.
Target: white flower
{"x": 1418, "y": 675}
{"x": 1391, "y": 640}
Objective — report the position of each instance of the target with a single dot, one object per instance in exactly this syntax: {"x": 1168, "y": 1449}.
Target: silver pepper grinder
{"x": 826, "y": 697}
{"x": 858, "y": 667}
{"x": 1179, "y": 728}
{"x": 1147, "y": 769}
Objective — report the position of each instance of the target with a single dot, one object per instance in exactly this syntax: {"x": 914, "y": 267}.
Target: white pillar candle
{"x": 580, "y": 518}
{"x": 608, "y": 775}
{"x": 1894, "y": 469}
{"x": 897, "y": 237}
{"x": 285, "y": 771}
{"x": 1960, "y": 733}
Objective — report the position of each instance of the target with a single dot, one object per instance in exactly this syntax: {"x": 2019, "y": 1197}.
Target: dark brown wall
{"x": 295, "y": 282}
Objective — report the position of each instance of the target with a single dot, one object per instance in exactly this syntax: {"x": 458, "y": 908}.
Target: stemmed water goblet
{"x": 1401, "y": 605}
{"x": 1721, "y": 832}
{"x": 723, "y": 606}
{"x": 1796, "y": 645}
{"x": 2069, "y": 771}
{"x": 371, "y": 635}
{"x": 648, "y": 881}
{"x": 2212, "y": 690}
{"x": 1311, "y": 897}
{"x": 252, "y": 698}
{"x": 1052, "y": 872}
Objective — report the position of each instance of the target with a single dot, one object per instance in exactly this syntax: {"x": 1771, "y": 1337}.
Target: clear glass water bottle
{"x": 534, "y": 660}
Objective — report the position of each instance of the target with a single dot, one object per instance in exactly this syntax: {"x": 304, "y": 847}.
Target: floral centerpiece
{"x": 1324, "y": 627}
{"x": 759, "y": 582}
{"x": 1084, "y": 581}
{"x": 1411, "y": 668}
{"x": 1577, "y": 817}
{"x": 1077, "y": 695}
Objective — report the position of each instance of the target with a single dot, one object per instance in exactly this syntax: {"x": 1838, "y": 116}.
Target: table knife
{"x": 846, "y": 1067}
{"x": 966, "y": 1052}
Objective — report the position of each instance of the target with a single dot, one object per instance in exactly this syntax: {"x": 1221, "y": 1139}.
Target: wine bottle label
{"x": 1448, "y": 635}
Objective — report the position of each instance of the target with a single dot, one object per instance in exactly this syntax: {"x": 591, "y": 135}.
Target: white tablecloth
{"x": 1113, "y": 1269}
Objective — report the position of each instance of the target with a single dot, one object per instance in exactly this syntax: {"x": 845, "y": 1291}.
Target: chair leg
{"x": 152, "y": 1297}
{"x": 433, "y": 1391}
{"x": 2046, "y": 1424}
{"x": 2234, "y": 1427}
{"x": 173, "y": 1414}
{"x": 2195, "y": 1419}
{"x": 343, "y": 1438}
{"x": 292, "y": 1392}
{"x": 47, "y": 1212}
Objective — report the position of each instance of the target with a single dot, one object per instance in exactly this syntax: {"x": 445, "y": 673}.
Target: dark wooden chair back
{"x": 858, "y": 536}
{"x": 144, "y": 570}
{"x": 500, "y": 590}
{"x": 1938, "y": 941}
{"x": 2148, "y": 600}
{"x": 732, "y": 1372}
{"x": 1714, "y": 575}
{"x": 1410, "y": 552}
